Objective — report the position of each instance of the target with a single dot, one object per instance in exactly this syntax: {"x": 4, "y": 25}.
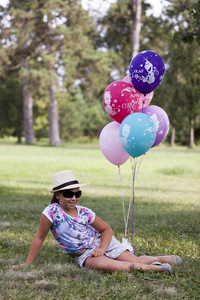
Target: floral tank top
{"x": 71, "y": 234}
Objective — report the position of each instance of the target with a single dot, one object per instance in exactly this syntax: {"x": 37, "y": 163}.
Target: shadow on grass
{"x": 21, "y": 210}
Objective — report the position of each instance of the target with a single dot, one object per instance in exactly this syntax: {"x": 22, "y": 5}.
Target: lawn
{"x": 166, "y": 220}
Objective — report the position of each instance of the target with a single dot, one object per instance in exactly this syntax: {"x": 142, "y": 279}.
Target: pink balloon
{"x": 111, "y": 146}
{"x": 145, "y": 98}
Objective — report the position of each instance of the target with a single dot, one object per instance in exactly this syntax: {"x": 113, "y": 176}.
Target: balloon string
{"x": 119, "y": 172}
{"x": 126, "y": 218}
{"x": 133, "y": 166}
{"x": 126, "y": 227}
{"x": 135, "y": 170}
{"x": 139, "y": 165}
{"x": 133, "y": 197}
{"x": 143, "y": 102}
{"x": 129, "y": 208}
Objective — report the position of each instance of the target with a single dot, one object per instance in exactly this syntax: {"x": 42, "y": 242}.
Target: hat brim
{"x": 69, "y": 187}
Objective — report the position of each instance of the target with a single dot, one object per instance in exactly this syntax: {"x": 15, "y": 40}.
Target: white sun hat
{"x": 65, "y": 180}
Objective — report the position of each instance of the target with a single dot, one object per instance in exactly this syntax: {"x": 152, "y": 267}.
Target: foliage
{"x": 192, "y": 32}
{"x": 78, "y": 57}
{"x": 58, "y": 41}
{"x": 188, "y": 63}
{"x": 117, "y": 25}
{"x": 11, "y": 112}
{"x": 72, "y": 113}
{"x": 96, "y": 120}
{"x": 166, "y": 221}
{"x": 116, "y": 29}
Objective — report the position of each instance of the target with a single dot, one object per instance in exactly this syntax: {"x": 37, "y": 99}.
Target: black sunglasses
{"x": 70, "y": 194}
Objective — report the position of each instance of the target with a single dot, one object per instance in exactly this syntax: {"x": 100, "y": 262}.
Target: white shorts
{"x": 113, "y": 250}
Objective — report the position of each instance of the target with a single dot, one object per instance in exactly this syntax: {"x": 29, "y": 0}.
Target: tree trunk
{"x": 137, "y": 12}
{"x": 28, "y": 104}
{"x": 19, "y": 138}
{"x": 191, "y": 141}
{"x": 54, "y": 134}
{"x": 173, "y": 134}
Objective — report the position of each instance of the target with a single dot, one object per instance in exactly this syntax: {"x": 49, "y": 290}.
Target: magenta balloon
{"x": 161, "y": 120}
{"x": 121, "y": 99}
{"x": 111, "y": 146}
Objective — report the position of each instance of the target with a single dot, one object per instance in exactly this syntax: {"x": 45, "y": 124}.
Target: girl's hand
{"x": 98, "y": 252}
{"x": 18, "y": 266}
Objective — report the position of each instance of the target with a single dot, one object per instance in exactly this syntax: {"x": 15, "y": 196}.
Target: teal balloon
{"x": 137, "y": 134}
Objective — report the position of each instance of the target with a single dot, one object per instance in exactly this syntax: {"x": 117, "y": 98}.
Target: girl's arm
{"x": 38, "y": 240}
{"x": 106, "y": 235}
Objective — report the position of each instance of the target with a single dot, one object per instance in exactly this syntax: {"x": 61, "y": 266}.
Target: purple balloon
{"x": 161, "y": 121}
{"x": 111, "y": 146}
{"x": 146, "y": 70}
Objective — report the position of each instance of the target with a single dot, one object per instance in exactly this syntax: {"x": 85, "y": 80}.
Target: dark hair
{"x": 54, "y": 199}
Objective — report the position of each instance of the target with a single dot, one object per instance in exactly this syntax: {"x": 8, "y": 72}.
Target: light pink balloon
{"x": 145, "y": 98}
{"x": 111, "y": 146}
{"x": 127, "y": 79}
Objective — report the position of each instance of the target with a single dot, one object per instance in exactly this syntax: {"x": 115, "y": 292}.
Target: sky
{"x": 3, "y": 2}
{"x": 103, "y": 5}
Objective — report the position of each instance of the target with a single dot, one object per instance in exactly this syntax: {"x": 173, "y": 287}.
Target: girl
{"x": 84, "y": 236}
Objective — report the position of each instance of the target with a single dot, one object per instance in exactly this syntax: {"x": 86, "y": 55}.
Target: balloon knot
{"x": 119, "y": 169}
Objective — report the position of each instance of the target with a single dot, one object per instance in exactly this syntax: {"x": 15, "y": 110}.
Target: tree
{"x": 116, "y": 29}
{"x": 11, "y": 112}
{"x": 27, "y": 101}
{"x": 192, "y": 32}
{"x": 97, "y": 119}
{"x": 180, "y": 105}
{"x": 73, "y": 114}
{"x": 137, "y": 13}
{"x": 191, "y": 37}
{"x": 68, "y": 44}
{"x": 122, "y": 32}
{"x": 186, "y": 56}
{"x": 17, "y": 41}
{"x": 54, "y": 134}
{"x": 58, "y": 46}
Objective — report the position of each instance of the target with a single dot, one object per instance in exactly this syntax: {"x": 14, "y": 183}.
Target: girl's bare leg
{"x": 109, "y": 265}
{"x": 144, "y": 259}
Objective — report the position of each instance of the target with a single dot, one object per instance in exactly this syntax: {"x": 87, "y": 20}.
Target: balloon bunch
{"x": 137, "y": 126}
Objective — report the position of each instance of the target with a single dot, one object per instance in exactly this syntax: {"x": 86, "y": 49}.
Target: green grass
{"x": 166, "y": 220}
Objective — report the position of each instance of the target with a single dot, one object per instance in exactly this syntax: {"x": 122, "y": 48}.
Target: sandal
{"x": 177, "y": 259}
{"x": 167, "y": 268}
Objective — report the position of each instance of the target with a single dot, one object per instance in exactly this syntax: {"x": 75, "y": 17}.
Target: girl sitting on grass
{"x": 84, "y": 236}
